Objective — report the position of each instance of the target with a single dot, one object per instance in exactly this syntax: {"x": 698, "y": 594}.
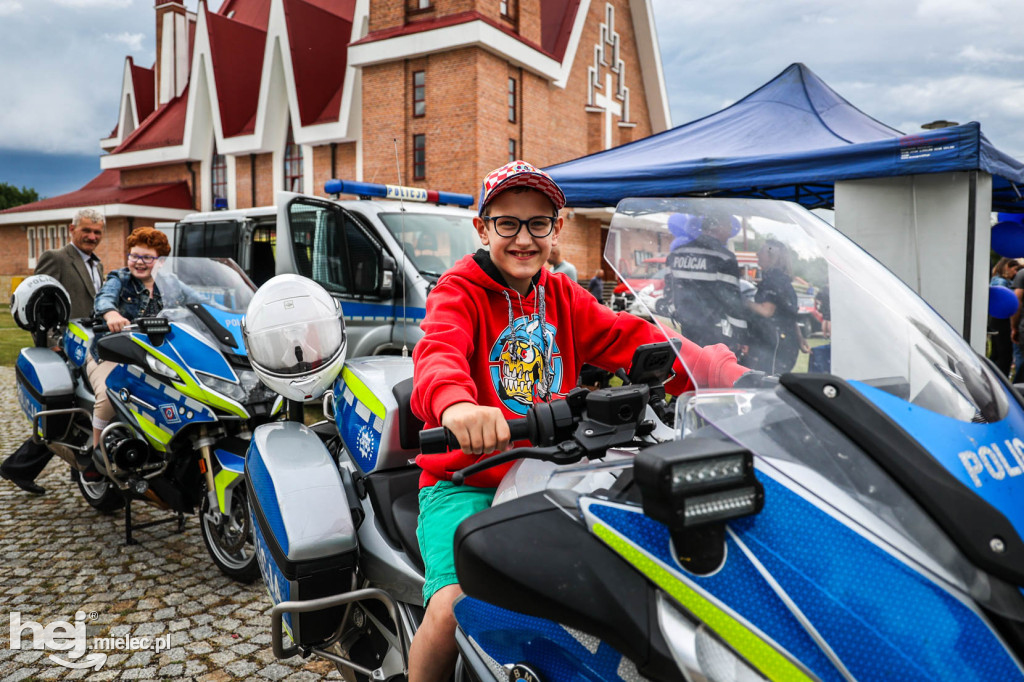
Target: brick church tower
{"x": 264, "y": 95}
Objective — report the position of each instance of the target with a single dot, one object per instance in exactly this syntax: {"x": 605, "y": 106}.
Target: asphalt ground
{"x": 59, "y": 557}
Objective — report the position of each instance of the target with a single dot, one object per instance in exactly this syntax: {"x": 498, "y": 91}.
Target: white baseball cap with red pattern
{"x": 520, "y": 174}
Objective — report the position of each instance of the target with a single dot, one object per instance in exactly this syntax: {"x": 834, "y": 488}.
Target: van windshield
{"x": 432, "y": 241}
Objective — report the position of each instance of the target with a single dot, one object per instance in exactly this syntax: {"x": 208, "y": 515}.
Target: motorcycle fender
{"x": 231, "y": 472}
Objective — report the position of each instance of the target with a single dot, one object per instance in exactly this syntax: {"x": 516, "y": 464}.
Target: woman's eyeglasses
{"x": 508, "y": 226}
{"x": 134, "y": 257}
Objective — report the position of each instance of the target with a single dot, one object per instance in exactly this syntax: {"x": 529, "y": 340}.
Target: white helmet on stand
{"x": 294, "y": 333}
{"x": 40, "y": 303}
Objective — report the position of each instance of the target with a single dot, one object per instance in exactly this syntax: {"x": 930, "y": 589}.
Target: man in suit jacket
{"x": 79, "y": 270}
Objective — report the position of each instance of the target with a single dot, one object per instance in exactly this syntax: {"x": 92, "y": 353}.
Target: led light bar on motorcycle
{"x": 370, "y": 190}
{"x": 694, "y": 486}
{"x": 696, "y": 481}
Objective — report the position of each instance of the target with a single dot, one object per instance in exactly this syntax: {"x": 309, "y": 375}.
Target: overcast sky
{"x": 904, "y": 62}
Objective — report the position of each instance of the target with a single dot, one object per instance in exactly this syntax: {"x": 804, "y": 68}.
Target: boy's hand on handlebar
{"x": 480, "y": 429}
{"x": 115, "y": 320}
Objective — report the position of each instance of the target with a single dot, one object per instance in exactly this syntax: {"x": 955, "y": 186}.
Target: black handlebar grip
{"x": 100, "y": 328}
{"x": 519, "y": 429}
{"x": 436, "y": 441}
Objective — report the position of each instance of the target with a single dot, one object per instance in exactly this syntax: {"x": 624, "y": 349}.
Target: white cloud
{"x": 63, "y": 69}
{"x": 132, "y": 40}
{"x": 101, "y": 4}
{"x": 8, "y": 7}
{"x": 983, "y": 55}
{"x": 976, "y": 11}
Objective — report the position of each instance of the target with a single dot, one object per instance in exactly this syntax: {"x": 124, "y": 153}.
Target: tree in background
{"x": 11, "y": 196}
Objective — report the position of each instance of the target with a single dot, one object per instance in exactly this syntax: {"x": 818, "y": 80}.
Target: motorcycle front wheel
{"x": 230, "y": 541}
{"x": 102, "y": 495}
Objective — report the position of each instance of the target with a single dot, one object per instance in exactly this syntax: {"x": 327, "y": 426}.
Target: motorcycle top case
{"x": 366, "y": 412}
{"x": 45, "y": 383}
{"x": 303, "y": 531}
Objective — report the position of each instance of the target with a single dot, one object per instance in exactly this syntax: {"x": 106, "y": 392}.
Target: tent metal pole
{"x": 972, "y": 202}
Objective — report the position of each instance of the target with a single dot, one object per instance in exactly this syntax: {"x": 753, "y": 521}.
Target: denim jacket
{"x": 127, "y": 295}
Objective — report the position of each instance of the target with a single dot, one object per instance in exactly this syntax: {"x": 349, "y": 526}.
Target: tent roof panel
{"x": 793, "y": 132}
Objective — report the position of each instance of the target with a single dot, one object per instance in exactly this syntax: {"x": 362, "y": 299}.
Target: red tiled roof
{"x": 144, "y": 83}
{"x": 165, "y": 127}
{"x": 106, "y": 189}
{"x": 556, "y": 20}
{"x": 556, "y": 25}
{"x": 236, "y": 51}
{"x": 319, "y": 49}
{"x": 255, "y": 13}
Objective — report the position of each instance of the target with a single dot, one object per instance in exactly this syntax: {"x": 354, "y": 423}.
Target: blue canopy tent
{"x": 792, "y": 139}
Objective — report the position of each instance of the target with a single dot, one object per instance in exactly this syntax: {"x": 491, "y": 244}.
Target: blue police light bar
{"x": 369, "y": 189}
{"x": 220, "y": 203}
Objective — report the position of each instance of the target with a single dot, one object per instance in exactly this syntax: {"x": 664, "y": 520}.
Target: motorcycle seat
{"x": 406, "y": 511}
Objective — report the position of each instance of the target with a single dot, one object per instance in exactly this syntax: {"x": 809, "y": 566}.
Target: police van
{"x": 379, "y": 255}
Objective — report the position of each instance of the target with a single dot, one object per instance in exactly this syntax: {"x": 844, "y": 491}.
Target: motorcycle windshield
{"x": 788, "y": 293}
{"x": 218, "y": 282}
{"x": 816, "y": 302}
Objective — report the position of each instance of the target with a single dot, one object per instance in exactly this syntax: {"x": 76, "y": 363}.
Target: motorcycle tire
{"x": 102, "y": 495}
{"x": 230, "y": 544}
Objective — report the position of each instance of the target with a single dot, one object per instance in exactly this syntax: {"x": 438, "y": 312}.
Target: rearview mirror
{"x": 387, "y": 276}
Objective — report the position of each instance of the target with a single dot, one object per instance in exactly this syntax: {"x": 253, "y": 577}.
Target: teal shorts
{"x": 443, "y": 506}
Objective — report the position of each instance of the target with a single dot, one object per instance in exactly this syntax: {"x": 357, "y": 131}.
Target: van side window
{"x": 213, "y": 240}
{"x": 334, "y": 250}
{"x": 263, "y": 254}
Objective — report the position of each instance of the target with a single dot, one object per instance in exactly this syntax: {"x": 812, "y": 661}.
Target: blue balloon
{"x": 1008, "y": 239}
{"x": 1002, "y": 302}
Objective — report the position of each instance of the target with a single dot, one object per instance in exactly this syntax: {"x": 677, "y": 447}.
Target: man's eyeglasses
{"x": 133, "y": 257}
{"x": 508, "y": 226}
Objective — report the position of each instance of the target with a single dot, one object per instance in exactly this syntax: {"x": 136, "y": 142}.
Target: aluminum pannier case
{"x": 45, "y": 383}
{"x": 304, "y": 535}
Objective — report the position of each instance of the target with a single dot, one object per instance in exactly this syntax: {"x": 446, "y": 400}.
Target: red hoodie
{"x": 482, "y": 344}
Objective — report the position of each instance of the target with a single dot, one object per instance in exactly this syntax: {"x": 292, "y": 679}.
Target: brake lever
{"x": 567, "y": 452}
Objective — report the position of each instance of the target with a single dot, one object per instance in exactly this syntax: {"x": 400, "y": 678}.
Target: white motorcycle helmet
{"x": 294, "y": 333}
{"x": 40, "y": 303}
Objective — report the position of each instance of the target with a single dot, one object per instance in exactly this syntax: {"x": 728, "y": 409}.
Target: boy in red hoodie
{"x": 501, "y": 333}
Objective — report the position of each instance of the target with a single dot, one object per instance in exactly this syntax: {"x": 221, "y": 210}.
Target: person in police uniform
{"x": 704, "y": 281}
{"x": 80, "y": 272}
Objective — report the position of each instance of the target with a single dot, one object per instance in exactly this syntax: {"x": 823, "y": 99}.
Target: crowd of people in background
{"x": 1004, "y": 348}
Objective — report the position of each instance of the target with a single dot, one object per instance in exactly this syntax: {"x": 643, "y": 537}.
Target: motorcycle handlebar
{"x": 436, "y": 441}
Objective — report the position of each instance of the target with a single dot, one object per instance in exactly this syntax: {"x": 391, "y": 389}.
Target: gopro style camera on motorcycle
{"x": 694, "y": 486}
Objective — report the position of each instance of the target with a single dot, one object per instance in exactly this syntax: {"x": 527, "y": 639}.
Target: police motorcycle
{"x": 184, "y": 395}
{"x": 863, "y": 523}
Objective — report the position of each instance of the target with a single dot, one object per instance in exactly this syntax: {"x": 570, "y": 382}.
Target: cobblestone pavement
{"x": 58, "y": 556}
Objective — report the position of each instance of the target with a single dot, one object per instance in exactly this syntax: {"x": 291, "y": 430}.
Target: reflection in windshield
{"x": 218, "y": 281}
{"x": 432, "y": 241}
{"x": 788, "y": 293}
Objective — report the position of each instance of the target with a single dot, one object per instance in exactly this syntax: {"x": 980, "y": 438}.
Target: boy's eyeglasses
{"x": 145, "y": 259}
{"x": 508, "y": 226}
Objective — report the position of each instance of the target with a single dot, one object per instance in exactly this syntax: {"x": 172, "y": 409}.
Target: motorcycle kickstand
{"x": 128, "y": 540}
{"x": 128, "y": 526}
